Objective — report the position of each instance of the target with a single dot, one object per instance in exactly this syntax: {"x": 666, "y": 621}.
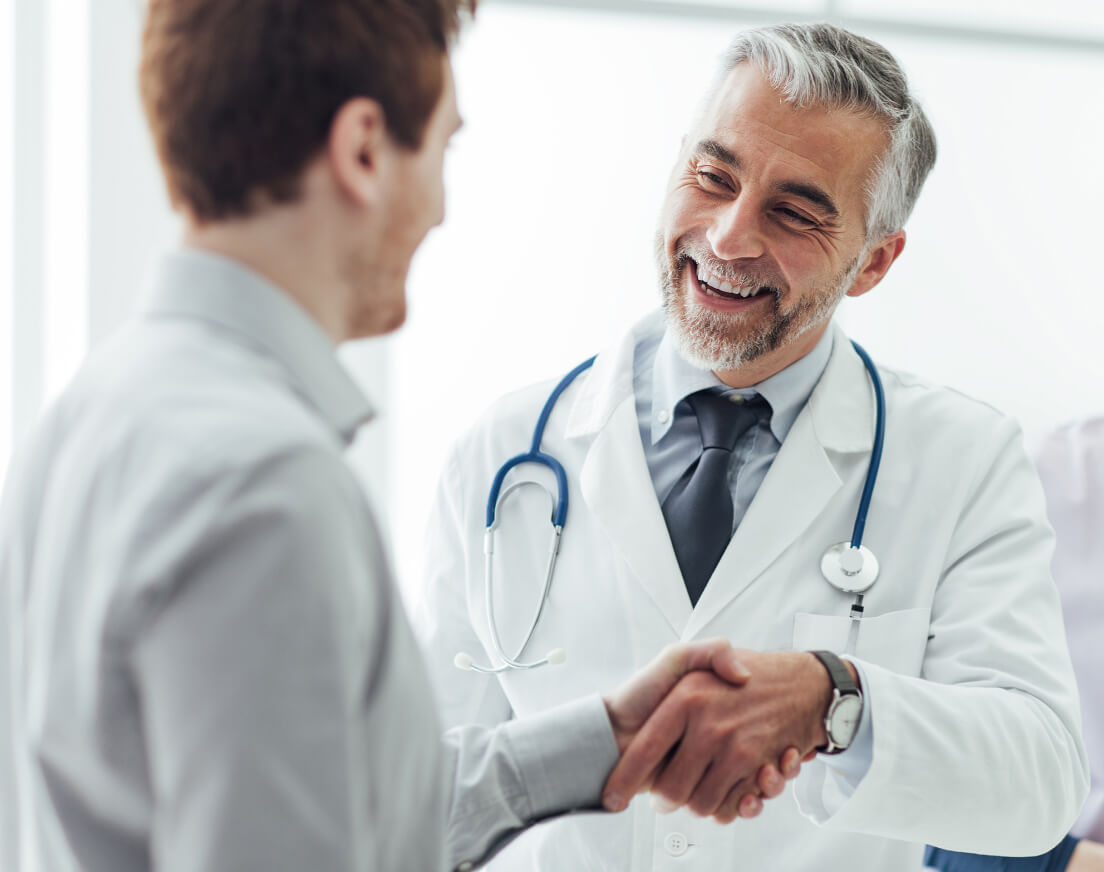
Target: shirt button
{"x": 676, "y": 844}
{"x": 737, "y": 398}
{"x": 663, "y": 417}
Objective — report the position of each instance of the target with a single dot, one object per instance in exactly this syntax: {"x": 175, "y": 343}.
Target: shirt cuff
{"x": 826, "y": 784}
{"x": 564, "y": 756}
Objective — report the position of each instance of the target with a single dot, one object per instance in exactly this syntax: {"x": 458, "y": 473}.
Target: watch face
{"x": 843, "y": 719}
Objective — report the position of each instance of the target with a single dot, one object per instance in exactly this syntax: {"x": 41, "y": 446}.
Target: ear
{"x": 359, "y": 150}
{"x": 878, "y": 261}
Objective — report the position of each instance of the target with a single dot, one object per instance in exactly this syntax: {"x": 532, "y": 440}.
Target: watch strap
{"x": 837, "y": 672}
{"x": 843, "y": 686}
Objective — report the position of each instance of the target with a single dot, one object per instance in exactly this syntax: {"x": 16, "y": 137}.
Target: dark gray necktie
{"x": 698, "y": 510}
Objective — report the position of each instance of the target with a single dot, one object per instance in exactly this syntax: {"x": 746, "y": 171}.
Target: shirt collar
{"x": 218, "y": 290}
{"x": 787, "y": 391}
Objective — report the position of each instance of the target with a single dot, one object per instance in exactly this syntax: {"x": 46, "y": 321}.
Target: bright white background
{"x": 573, "y": 118}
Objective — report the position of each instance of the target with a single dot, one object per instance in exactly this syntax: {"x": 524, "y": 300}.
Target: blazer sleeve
{"x": 983, "y": 752}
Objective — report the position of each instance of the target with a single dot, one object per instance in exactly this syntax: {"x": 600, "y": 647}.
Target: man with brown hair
{"x": 211, "y": 669}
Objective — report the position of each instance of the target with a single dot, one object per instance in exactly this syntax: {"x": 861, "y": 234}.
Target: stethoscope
{"x": 848, "y": 566}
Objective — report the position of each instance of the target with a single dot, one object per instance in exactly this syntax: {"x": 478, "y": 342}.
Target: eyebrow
{"x": 714, "y": 149}
{"x": 806, "y": 190}
{"x": 813, "y": 194}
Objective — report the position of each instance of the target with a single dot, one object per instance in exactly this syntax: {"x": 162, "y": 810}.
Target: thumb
{"x": 675, "y": 661}
{"x": 731, "y": 668}
{"x": 632, "y": 703}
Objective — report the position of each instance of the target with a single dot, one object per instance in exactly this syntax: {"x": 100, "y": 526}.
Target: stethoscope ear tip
{"x": 462, "y": 661}
{"x": 556, "y": 656}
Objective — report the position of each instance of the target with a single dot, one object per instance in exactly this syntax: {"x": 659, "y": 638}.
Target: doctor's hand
{"x": 726, "y": 734}
{"x": 632, "y": 705}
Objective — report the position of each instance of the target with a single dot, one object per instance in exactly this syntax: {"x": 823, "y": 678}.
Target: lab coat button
{"x": 664, "y": 416}
{"x": 676, "y": 844}
{"x": 466, "y": 866}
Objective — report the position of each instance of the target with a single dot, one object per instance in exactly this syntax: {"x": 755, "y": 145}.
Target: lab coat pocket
{"x": 895, "y": 640}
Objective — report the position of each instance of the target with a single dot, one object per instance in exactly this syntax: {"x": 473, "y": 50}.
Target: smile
{"x": 722, "y": 289}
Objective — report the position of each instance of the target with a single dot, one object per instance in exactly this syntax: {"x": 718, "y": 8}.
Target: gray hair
{"x": 824, "y": 65}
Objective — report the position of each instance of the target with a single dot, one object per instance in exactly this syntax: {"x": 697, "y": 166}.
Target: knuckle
{"x": 698, "y": 801}
{"x": 700, "y": 806}
{"x": 729, "y": 809}
{"x": 670, "y": 656}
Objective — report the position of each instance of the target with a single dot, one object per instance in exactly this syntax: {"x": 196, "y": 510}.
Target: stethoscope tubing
{"x": 560, "y": 506}
{"x": 535, "y": 455}
{"x": 488, "y": 585}
{"x": 876, "y": 450}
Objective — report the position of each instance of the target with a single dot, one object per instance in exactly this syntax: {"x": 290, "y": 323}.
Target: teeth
{"x": 711, "y": 286}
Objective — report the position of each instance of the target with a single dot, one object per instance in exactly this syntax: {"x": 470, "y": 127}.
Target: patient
{"x": 1071, "y": 464}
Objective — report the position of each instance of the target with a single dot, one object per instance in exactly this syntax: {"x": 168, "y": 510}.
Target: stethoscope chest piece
{"x": 852, "y": 570}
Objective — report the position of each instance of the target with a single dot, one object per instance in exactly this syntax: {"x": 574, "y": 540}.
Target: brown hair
{"x": 240, "y": 94}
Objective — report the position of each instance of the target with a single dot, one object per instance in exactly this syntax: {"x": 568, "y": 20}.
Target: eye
{"x": 713, "y": 180}
{"x": 795, "y": 218}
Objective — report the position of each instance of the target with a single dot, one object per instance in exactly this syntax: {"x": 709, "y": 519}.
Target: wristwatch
{"x": 841, "y": 721}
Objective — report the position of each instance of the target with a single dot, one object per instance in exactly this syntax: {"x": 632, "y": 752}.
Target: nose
{"x": 735, "y": 232}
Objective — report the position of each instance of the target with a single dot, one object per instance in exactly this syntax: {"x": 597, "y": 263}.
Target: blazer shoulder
{"x": 932, "y": 404}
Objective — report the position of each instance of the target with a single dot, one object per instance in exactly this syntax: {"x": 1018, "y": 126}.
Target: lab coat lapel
{"x": 618, "y": 489}
{"x": 615, "y": 483}
{"x": 839, "y": 417}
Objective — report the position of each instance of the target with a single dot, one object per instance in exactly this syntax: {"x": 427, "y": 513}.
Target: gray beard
{"x": 709, "y": 340}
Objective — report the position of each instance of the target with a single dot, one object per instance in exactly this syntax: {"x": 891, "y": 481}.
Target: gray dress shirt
{"x": 206, "y": 663}
{"x": 663, "y": 379}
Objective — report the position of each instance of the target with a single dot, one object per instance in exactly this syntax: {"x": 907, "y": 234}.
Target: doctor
{"x": 790, "y": 192}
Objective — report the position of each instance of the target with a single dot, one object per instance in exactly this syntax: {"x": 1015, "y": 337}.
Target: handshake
{"x": 715, "y": 729}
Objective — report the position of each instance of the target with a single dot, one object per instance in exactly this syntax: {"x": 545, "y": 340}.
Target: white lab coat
{"x": 975, "y": 715}
{"x": 1071, "y": 464}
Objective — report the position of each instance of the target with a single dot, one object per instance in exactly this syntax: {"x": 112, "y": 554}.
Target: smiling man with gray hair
{"x": 713, "y": 453}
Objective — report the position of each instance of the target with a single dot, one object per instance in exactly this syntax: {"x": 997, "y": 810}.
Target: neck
{"x": 755, "y": 371}
{"x": 282, "y": 245}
